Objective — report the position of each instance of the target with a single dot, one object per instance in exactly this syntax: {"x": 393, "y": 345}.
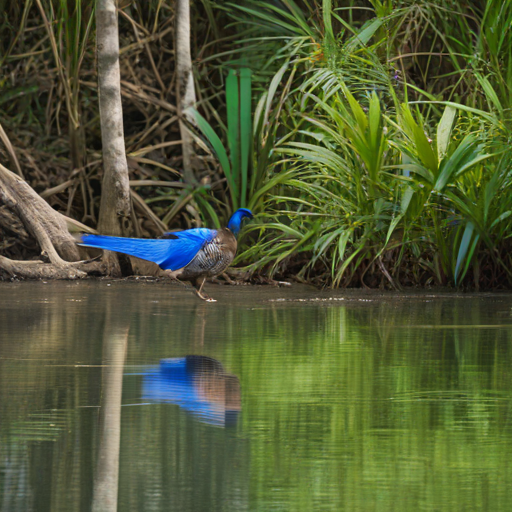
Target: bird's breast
{"x": 215, "y": 256}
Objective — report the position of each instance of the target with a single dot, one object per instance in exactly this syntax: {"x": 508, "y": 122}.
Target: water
{"x": 296, "y": 400}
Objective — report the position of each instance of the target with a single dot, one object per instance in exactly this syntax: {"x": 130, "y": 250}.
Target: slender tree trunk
{"x": 185, "y": 93}
{"x": 115, "y": 208}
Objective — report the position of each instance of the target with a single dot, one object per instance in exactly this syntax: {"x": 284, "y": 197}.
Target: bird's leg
{"x": 198, "y": 285}
{"x": 181, "y": 283}
{"x": 171, "y": 275}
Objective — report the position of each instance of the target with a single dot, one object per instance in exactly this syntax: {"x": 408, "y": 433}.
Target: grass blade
{"x": 233, "y": 115}
{"x": 245, "y": 130}
{"x": 444, "y": 131}
{"x": 464, "y": 246}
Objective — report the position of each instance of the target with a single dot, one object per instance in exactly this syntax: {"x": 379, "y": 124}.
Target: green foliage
{"x": 377, "y": 179}
{"x": 249, "y": 143}
{"x": 238, "y": 102}
{"x": 374, "y": 143}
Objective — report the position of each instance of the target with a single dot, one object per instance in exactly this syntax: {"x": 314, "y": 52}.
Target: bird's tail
{"x": 147, "y": 249}
{"x": 170, "y": 253}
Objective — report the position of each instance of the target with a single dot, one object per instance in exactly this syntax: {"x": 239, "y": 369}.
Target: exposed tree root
{"x": 60, "y": 256}
{"x": 41, "y": 270}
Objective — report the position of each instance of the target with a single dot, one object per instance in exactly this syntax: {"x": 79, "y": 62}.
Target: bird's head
{"x": 235, "y": 222}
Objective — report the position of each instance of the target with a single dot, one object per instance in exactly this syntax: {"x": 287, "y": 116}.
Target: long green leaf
{"x": 417, "y": 135}
{"x": 490, "y": 93}
{"x": 366, "y": 33}
{"x": 464, "y": 246}
{"x": 274, "y": 84}
{"x": 482, "y": 113}
{"x": 327, "y": 10}
{"x": 234, "y": 135}
{"x": 444, "y": 131}
{"x": 245, "y": 130}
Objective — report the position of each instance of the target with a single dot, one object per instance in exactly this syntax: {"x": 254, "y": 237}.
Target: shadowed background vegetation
{"x": 371, "y": 138}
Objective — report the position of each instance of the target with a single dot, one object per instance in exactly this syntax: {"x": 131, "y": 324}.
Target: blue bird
{"x": 199, "y": 385}
{"x": 191, "y": 255}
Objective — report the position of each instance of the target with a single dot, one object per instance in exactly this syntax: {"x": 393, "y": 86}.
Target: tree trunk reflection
{"x": 115, "y": 342}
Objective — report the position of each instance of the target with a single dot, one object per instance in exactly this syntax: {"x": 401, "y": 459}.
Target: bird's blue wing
{"x": 185, "y": 247}
{"x": 168, "y": 253}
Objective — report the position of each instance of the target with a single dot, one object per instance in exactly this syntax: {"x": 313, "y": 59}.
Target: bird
{"x": 198, "y": 384}
{"x": 191, "y": 255}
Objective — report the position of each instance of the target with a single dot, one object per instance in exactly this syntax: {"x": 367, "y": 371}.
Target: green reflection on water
{"x": 359, "y": 405}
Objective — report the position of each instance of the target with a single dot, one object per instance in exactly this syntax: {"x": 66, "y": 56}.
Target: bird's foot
{"x": 205, "y": 297}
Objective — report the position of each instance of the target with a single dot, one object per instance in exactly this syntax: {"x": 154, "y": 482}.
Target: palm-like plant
{"x": 363, "y": 185}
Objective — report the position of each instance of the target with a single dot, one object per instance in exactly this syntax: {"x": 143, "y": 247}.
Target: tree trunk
{"x": 185, "y": 92}
{"x": 115, "y": 208}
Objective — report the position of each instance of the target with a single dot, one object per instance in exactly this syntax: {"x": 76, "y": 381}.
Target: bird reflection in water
{"x": 199, "y": 385}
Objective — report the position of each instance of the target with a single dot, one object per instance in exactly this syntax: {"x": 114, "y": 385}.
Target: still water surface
{"x": 268, "y": 400}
